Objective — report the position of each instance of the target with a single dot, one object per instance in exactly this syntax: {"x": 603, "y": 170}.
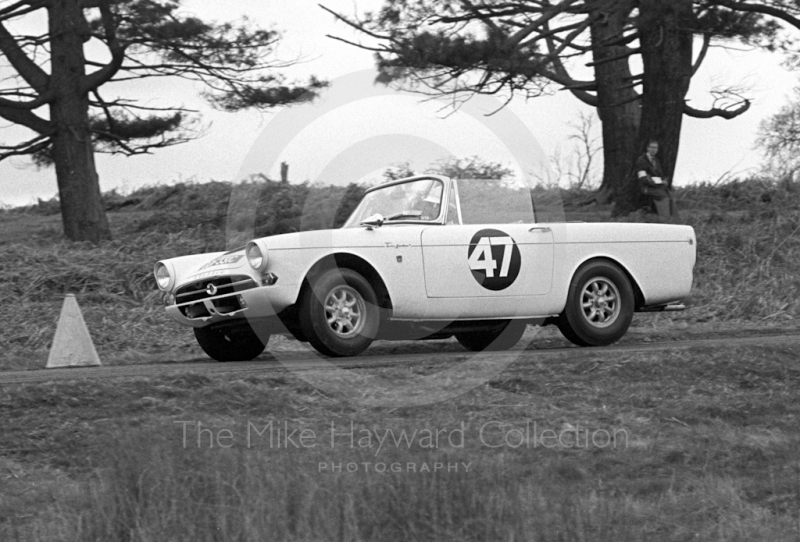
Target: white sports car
{"x": 430, "y": 257}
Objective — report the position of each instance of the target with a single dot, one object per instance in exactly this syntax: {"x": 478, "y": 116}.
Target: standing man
{"x": 652, "y": 182}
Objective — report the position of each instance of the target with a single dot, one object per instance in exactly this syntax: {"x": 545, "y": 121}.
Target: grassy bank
{"x": 676, "y": 445}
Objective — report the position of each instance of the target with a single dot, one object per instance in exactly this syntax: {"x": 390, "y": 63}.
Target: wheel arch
{"x": 638, "y": 295}
{"x": 356, "y": 263}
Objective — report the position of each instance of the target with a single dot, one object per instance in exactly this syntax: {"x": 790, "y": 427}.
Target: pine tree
{"x": 528, "y": 46}
{"x": 55, "y": 88}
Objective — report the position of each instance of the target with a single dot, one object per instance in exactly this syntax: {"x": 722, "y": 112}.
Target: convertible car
{"x": 430, "y": 257}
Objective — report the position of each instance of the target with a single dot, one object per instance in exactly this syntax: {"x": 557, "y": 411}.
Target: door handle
{"x": 544, "y": 229}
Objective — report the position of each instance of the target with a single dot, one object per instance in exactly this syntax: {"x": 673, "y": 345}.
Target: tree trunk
{"x": 82, "y": 209}
{"x": 618, "y": 105}
{"x": 666, "y": 40}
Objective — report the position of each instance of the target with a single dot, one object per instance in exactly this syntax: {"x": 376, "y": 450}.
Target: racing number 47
{"x": 482, "y": 259}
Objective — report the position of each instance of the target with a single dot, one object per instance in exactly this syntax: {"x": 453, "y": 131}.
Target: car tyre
{"x": 232, "y": 344}
{"x": 599, "y": 306}
{"x": 339, "y": 313}
{"x": 501, "y": 338}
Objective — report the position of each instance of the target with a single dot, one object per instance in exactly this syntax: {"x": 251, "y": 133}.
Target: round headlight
{"x": 163, "y": 276}
{"x": 257, "y": 255}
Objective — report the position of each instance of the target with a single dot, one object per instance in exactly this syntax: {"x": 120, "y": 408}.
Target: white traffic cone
{"x": 72, "y": 344}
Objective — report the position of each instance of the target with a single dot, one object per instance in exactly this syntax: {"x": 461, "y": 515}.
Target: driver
{"x": 431, "y": 202}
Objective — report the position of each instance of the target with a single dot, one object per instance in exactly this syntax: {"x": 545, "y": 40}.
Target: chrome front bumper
{"x": 253, "y": 302}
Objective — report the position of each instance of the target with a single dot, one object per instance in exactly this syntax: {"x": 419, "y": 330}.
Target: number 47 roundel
{"x": 494, "y": 259}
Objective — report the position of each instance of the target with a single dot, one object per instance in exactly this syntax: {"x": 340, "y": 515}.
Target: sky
{"x": 355, "y": 129}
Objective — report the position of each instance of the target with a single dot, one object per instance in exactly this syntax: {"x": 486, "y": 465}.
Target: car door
{"x": 504, "y": 263}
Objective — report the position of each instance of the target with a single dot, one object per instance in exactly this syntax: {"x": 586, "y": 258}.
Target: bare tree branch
{"x": 358, "y": 27}
{"x": 29, "y": 105}
{"x": 781, "y": 13}
{"x": 724, "y": 113}
{"x": 359, "y": 45}
{"x": 543, "y": 21}
{"x": 26, "y": 118}
{"x": 35, "y": 76}
{"x": 21, "y": 8}
{"x": 31, "y": 146}
{"x": 106, "y": 73}
{"x": 563, "y": 77}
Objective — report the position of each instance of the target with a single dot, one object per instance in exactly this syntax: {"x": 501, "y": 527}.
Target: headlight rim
{"x": 263, "y": 251}
{"x": 170, "y": 271}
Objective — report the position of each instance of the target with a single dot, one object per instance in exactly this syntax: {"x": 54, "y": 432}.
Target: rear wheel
{"x": 339, "y": 313}
{"x": 599, "y": 306}
{"x": 232, "y": 344}
{"x": 505, "y": 336}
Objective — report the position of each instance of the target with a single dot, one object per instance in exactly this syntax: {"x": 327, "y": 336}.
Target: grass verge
{"x": 704, "y": 448}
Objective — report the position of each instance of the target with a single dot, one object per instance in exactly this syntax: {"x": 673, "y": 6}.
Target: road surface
{"x": 306, "y": 361}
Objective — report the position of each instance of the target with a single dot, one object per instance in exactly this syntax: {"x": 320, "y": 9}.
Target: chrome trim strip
{"x": 187, "y": 303}
{"x": 231, "y": 285}
{"x": 458, "y": 201}
{"x": 441, "y": 178}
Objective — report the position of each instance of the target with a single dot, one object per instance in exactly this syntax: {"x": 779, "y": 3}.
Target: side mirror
{"x": 374, "y": 221}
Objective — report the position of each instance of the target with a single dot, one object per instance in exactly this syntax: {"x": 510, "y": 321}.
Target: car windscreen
{"x": 493, "y": 201}
{"x": 418, "y": 200}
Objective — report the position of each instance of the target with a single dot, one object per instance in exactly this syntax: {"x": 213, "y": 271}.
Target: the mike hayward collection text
{"x": 289, "y": 435}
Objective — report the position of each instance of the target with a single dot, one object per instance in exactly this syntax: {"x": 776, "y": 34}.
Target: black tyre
{"x": 232, "y": 344}
{"x": 339, "y": 313}
{"x": 599, "y": 306}
{"x": 501, "y": 338}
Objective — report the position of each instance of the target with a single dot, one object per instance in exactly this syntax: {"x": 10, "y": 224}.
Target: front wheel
{"x": 232, "y": 344}
{"x": 503, "y": 337}
{"x": 339, "y": 313}
{"x": 599, "y": 306}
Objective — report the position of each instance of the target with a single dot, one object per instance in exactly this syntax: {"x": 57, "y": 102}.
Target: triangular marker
{"x": 72, "y": 344}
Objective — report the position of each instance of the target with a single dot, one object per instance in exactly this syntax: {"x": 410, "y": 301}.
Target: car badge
{"x": 211, "y": 289}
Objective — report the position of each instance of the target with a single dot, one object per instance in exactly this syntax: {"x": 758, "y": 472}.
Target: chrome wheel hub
{"x": 600, "y": 302}
{"x": 345, "y": 310}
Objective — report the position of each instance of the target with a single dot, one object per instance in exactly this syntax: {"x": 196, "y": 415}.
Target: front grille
{"x": 197, "y": 291}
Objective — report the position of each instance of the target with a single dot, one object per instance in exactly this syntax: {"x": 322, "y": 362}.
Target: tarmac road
{"x": 269, "y": 364}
